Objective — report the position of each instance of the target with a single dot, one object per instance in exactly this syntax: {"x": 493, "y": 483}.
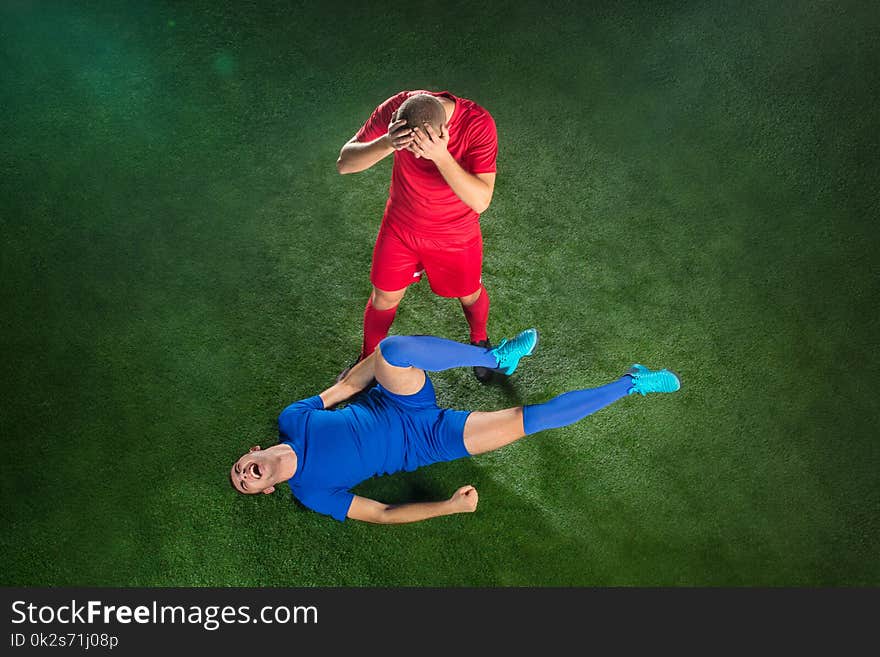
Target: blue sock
{"x": 428, "y": 352}
{"x": 570, "y": 407}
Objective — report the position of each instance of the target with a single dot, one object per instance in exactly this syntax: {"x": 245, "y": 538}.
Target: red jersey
{"x": 419, "y": 199}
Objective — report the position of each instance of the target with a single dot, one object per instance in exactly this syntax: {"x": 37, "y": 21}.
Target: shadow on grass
{"x": 509, "y": 391}
{"x": 509, "y": 541}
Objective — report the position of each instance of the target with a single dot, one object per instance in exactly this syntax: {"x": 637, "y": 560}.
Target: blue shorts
{"x": 379, "y": 433}
{"x": 431, "y": 434}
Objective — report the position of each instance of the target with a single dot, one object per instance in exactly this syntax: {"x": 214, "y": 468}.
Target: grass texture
{"x": 690, "y": 185}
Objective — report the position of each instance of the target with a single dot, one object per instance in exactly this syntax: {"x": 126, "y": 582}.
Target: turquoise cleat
{"x": 509, "y": 352}
{"x": 645, "y": 381}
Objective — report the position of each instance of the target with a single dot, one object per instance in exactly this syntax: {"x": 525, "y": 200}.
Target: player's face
{"x": 251, "y": 473}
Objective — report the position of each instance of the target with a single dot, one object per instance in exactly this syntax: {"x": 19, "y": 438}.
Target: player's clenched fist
{"x": 399, "y": 134}
{"x": 465, "y": 499}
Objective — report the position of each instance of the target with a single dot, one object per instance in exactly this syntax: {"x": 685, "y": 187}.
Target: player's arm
{"x": 475, "y": 189}
{"x": 353, "y": 382}
{"x": 464, "y": 500}
{"x": 358, "y": 156}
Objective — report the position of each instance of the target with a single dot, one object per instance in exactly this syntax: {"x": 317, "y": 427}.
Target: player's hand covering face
{"x": 429, "y": 144}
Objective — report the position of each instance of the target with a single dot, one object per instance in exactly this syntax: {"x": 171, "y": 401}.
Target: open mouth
{"x": 255, "y": 471}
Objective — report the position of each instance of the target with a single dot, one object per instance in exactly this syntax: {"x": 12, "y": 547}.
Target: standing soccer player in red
{"x": 443, "y": 177}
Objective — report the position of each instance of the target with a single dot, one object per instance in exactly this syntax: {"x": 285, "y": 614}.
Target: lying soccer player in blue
{"x": 397, "y": 425}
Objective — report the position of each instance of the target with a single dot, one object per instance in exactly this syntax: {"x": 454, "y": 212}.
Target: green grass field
{"x": 679, "y": 184}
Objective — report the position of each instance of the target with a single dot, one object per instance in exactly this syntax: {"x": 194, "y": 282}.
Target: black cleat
{"x": 483, "y": 374}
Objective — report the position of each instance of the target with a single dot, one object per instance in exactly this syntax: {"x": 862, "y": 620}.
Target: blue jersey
{"x": 380, "y": 433}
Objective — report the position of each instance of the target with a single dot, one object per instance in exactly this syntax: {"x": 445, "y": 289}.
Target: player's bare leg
{"x": 484, "y": 432}
{"x": 407, "y": 380}
{"x": 470, "y": 299}
{"x": 488, "y": 431}
{"x": 386, "y": 299}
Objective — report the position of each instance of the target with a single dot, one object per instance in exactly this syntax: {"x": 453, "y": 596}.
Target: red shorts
{"x": 454, "y": 268}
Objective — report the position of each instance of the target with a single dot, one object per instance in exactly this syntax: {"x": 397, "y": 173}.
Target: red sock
{"x": 477, "y": 315}
{"x": 376, "y": 325}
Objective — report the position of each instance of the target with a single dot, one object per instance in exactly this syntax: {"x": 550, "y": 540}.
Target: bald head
{"x": 420, "y": 109}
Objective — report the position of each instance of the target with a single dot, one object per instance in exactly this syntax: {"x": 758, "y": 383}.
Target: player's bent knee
{"x": 392, "y": 350}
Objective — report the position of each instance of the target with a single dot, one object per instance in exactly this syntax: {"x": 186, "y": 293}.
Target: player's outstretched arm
{"x": 358, "y": 156}
{"x": 464, "y": 500}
